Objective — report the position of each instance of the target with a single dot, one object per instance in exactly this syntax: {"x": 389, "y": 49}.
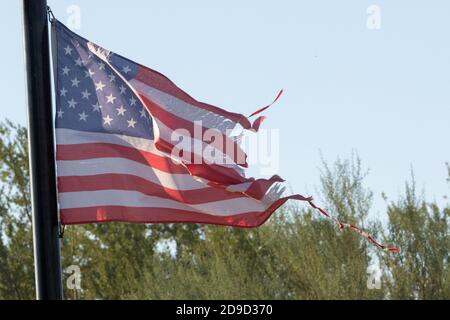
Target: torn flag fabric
{"x": 132, "y": 146}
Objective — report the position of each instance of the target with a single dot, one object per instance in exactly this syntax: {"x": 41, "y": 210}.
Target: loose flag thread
{"x": 269, "y": 105}
{"x": 342, "y": 226}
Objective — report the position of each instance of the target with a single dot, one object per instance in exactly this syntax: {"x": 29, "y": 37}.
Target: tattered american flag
{"x": 117, "y": 159}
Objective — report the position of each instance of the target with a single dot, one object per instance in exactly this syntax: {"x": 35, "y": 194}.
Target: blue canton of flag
{"x": 91, "y": 95}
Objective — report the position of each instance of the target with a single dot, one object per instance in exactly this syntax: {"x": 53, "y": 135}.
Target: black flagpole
{"x": 41, "y": 147}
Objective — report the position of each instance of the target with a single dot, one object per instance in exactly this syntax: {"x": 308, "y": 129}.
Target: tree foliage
{"x": 295, "y": 255}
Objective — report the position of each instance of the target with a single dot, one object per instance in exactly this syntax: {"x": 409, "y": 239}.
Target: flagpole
{"x": 41, "y": 150}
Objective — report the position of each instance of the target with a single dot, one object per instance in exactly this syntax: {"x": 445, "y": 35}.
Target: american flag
{"x": 131, "y": 146}
{"x": 116, "y": 158}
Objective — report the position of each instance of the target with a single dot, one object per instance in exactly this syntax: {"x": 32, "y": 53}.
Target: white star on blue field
{"x": 92, "y": 95}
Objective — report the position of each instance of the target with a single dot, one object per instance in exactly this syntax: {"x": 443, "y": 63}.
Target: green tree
{"x": 421, "y": 230}
{"x": 320, "y": 261}
{"x": 16, "y": 250}
{"x": 111, "y": 258}
{"x": 295, "y": 255}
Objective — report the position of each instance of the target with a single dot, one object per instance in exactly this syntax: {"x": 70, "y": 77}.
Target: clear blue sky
{"x": 384, "y": 93}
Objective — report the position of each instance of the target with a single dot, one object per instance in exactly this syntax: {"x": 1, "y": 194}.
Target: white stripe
{"x": 241, "y": 187}
{"x": 197, "y": 147}
{"x": 90, "y": 167}
{"x": 69, "y": 136}
{"x": 183, "y": 109}
{"x": 136, "y": 199}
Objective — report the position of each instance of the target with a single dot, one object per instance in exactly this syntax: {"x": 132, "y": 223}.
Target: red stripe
{"x": 163, "y": 215}
{"x": 219, "y": 174}
{"x": 160, "y": 82}
{"x": 106, "y": 150}
{"x": 175, "y": 123}
{"x": 222, "y": 177}
{"x": 268, "y": 106}
{"x": 259, "y": 187}
{"x": 257, "y": 123}
{"x": 135, "y": 183}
